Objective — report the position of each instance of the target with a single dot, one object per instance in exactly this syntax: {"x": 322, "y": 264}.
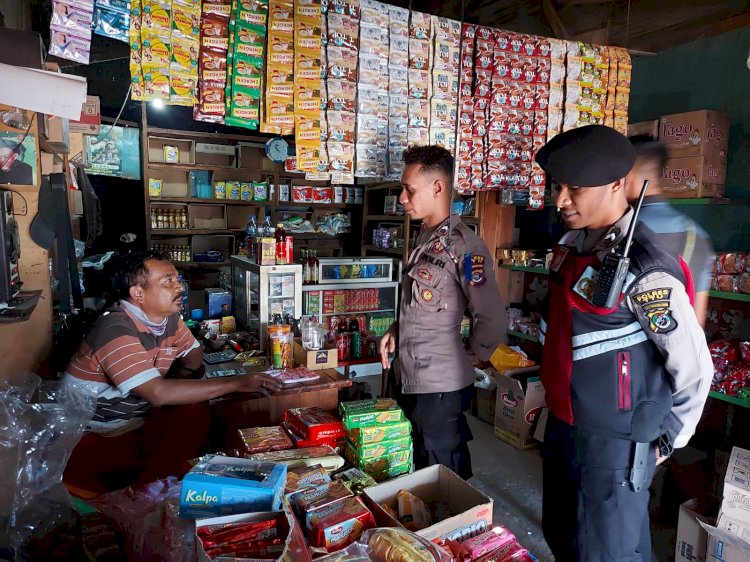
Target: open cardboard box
{"x": 295, "y": 547}
{"x": 315, "y": 360}
{"x": 692, "y": 539}
{"x": 520, "y": 399}
{"x": 472, "y": 508}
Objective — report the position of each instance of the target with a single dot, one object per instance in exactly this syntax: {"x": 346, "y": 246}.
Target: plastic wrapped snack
{"x": 486, "y": 543}
{"x": 381, "y": 432}
{"x": 322, "y": 455}
{"x": 412, "y": 511}
{"x": 314, "y": 423}
{"x": 399, "y": 545}
{"x": 264, "y": 439}
{"x": 352, "y": 553}
{"x": 356, "y": 480}
{"x": 730, "y": 262}
{"x": 306, "y": 501}
{"x": 367, "y": 412}
{"x": 511, "y": 551}
{"x": 305, "y": 477}
{"x": 504, "y": 358}
{"x": 338, "y": 525}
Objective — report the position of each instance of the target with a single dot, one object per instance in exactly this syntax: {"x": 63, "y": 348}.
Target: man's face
{"x": 418, "y": 192}
{"x": 586, "y": 207}
{"x": 162, "y": 295}
{"x": 7, "y": 158}
{"x": 644, "y": 169}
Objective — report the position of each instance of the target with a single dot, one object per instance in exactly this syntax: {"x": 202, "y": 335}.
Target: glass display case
{"x": 261, "y": 292}
{"x": 366, "y": 289}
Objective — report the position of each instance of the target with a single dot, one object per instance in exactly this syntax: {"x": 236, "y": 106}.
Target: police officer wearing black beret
{"x": 625, "y": 384}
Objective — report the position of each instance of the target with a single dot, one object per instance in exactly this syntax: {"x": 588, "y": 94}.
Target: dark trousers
{"x": 439, "y": 428}
{"x": 589, "y": 512}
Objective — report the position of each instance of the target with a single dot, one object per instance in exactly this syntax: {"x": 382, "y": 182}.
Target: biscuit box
{"x": 219, "y": 485}
{"x": 383, "y": 448}
{"x": 380, "y": 464}
{"x": 361, "y": 413}
{"x": 314, "y": 424}
{"x": 695, "y": 133}
{"x": 338, "y": 525}
{"x": 382, "y": 432}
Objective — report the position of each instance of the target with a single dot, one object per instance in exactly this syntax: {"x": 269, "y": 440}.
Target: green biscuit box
{"x": 378, "y": 433}
{"x": 372, "y": 451}
{"x": 362, "y": 413}
{"x": 379, "y": 464}
{"x": 392, "y": 472}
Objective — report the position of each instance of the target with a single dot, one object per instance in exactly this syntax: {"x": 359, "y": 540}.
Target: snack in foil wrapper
{"x": 264, "y": 439}
{"x": 314, "y": 423}
{"x": 305, "y": 477}
{"x": 356, "y": 480}
{"x": 308, "y": 456}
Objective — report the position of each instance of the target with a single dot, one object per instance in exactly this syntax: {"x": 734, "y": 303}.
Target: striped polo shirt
{"x": 680, "y": 236}
{"x": 119, "y": 354}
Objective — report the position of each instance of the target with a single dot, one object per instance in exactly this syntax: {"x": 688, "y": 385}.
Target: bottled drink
{"x": 251, "y": 232}
{"x": 356, "y": 349}
{"x": 266, "y": 229}
{"x": 314, "y": 267}
{"x": 306, "y": 273}
{"x": 281, "y": 252}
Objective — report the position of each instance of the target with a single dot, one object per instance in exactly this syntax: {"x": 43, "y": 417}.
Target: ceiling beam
{"x": 554, "y": 20}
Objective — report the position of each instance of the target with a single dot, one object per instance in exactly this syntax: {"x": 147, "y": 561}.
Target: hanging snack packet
{"x": 72, "y": 44}
{"x": 156, "y": 83}
{"x": 184, "y": 55}
{"x": 182, "y": 89}
{"x": 186, "y": 19}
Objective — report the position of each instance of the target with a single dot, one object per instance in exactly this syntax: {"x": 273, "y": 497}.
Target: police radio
{"x": 615, "y": 265}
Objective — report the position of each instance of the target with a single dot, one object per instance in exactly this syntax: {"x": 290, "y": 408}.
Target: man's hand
{"x": 659, "y": 458}
{"x": 388, "y": 346}
{"x": 258, "y": 382}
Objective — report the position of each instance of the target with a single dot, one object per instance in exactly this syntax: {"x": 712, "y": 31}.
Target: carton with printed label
{"x": 695, "y": 133}
{"x": 520, "y": 400}
{"x": 694, "y": 176}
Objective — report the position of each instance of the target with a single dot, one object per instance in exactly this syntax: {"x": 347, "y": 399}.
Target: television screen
{"x": 115, "y": 151}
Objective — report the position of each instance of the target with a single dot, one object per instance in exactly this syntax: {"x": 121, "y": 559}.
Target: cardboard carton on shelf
{"x": 520, "y": 399}
{"x": 694, "y": 177}
{"x": 650, "y": 128}
{"x": 315, "y": 360}
{"x": 692, "y": 539}
{"x": 695, "y": 133}
{"x": 470, "y": 509}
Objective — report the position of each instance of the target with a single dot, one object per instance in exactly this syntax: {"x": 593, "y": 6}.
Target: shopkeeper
{"x": 448, "y": 270}
{"x": 624, "y": 385}
{"x": 145, "y": 418}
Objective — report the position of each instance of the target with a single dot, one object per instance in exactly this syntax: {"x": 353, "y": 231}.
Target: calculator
{"x": 225, "y": 373}
{"x": 219, "y": 356}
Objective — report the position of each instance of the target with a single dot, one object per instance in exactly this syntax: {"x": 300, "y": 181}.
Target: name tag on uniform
{"x": 561, "y": 252}
{"x": 586, "y": 285}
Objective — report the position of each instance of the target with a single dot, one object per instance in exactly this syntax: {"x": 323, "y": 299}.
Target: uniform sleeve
{"x": 184, "y": 339}
{"x": 123, "y": 359}
{"x": 704, "y": 258}
{"x": 485, "y": 304}
{"x": 661, "y": 305}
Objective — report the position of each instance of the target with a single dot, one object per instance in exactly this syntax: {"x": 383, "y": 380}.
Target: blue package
{"x": 218, "y": 303}
{"x": 112, "y": 20}
{"x": 220, "y": 485}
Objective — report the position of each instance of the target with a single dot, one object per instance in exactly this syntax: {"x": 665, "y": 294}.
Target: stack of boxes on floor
{"x": 697, "y": 142}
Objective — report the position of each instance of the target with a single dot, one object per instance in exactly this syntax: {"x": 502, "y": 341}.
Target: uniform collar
{"x": 608, "y": 239}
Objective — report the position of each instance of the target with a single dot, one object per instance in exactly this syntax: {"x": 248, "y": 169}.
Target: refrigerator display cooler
{"x": 263, "y": 291}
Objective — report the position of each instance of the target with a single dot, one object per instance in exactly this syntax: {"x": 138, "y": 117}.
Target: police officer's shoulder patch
{"x": 477, "y": 276}
{"x": 655, "y": 305}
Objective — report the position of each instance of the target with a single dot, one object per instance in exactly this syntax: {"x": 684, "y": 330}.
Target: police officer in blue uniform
{"x": 624, "y": 385}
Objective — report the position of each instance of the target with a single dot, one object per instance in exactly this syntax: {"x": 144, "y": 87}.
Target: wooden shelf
{"x": 356, "y": 312}
{"x": 742, "y": 297}
{"x": 242, "y": 138}
{"x": 281, "y": 205}
{"x": 537, "y": 270}
{"x": 154, "y": 200}
{"x": 523, "y": 336}
{"x": 209, "y": 167}
{"x": 731, "y": 399}
{"x": 191, "y": 231}
{"x": 396, "y": 251}
{"x": 708, "y": 201}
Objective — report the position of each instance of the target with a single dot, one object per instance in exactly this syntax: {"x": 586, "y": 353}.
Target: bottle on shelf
{"x": 267, "y": 229}
{"x": 306, "y": 271}
{"x": 183, "y": 219}
{"x": 251, "y": 233}
{"x": 171, "y": 214}
{"x": 154, "y": 221}
{"x": 354, "y": 334}
{"x": 315, "y": 274}
{"x": 281, "y": 252}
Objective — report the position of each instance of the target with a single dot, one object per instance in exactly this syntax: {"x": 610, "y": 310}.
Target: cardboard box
{"x": 486, "y": 404}
{"x": 692, "y": 539}
{"x": 473, "y": 508}
{"x": 218, "y": 303}
{"x": 315, "y": 360}
{"x": 693, "y": 177}
{"x": 295, "y": 547}
{"x": 736, "y": 499}
{"x": 725, "y": 543}
{"x": 207, "y": 216}
{"x": 58, "y": 133}
{"x": 520, "y": 399}
{"x": 51, "y": 164}
{"x": 696, "y": 133}
{"x": 541, "y": 425}
{"x": 220, "y": 485}
{"x": 650, "y": 128}
{"x": 91, "y": 117}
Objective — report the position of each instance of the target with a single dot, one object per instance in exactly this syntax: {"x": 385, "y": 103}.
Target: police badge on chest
{"x": 585, "y": 287}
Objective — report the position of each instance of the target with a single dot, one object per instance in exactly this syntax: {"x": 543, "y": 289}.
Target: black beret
{"x": 587, "y": 156}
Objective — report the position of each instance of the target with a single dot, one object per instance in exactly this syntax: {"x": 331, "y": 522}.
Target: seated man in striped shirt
{"x": 144, "y": 418}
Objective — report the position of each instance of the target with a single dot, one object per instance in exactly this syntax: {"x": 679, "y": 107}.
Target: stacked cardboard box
{"x": 697, "y": 143}
{"x": 378, "y": 437}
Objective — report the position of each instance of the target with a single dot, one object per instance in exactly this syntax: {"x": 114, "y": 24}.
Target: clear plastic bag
{"x": 40, "y": 423}
{"x": 149, "y": 518}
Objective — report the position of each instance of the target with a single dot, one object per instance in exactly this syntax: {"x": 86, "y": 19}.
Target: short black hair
{"x": 650, "y": 149}
{"x": 132, "y": 270}
{"x": 431, "y": 158}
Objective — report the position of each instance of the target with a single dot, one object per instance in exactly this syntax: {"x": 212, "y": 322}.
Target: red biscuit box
{"x": 529, "y": 69}
{"x": 528, "y": 100}
{"x": 516, "y": 42}
{"x": 542, "y": 96}
{"x": 543, "y": 69}
{"x": 314, "y": 424}
{"x": 530, "y": 43}
{"x": 338, "y": 525}
{"x": 543, "y": 48}
{"x": 540, "y": 123}
{"x": 502, "y": 39}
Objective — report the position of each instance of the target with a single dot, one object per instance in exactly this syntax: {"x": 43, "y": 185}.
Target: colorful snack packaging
{"x": 305, "y": 477}
{"x": 260, "y": 191}
{"x": 340, "y": 524}
{"x": 264, "y": 439}
{"x": 314, "y": 423}
{"x": 182, "y": 89}
{"x": 486, "y": 543}
{"x": 321, "y": 454}
{"x": 510, "y": 551}
{"x": 372, "y": 451}
{"x": 361, "y": 413}
{"x": 356, "y": 480}
{"x": 311, "y": 499}
{"x": 380, "y": 432}
{"x": 246, "y": 191}
{"x": 412, "y": 511}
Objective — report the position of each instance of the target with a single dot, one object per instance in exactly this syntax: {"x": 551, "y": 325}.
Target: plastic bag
{"x": 397, "y": 545}
{"x": 149, "y": 518}
{"x": 505, "y": 358}
{"x": 40, "y": 423}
